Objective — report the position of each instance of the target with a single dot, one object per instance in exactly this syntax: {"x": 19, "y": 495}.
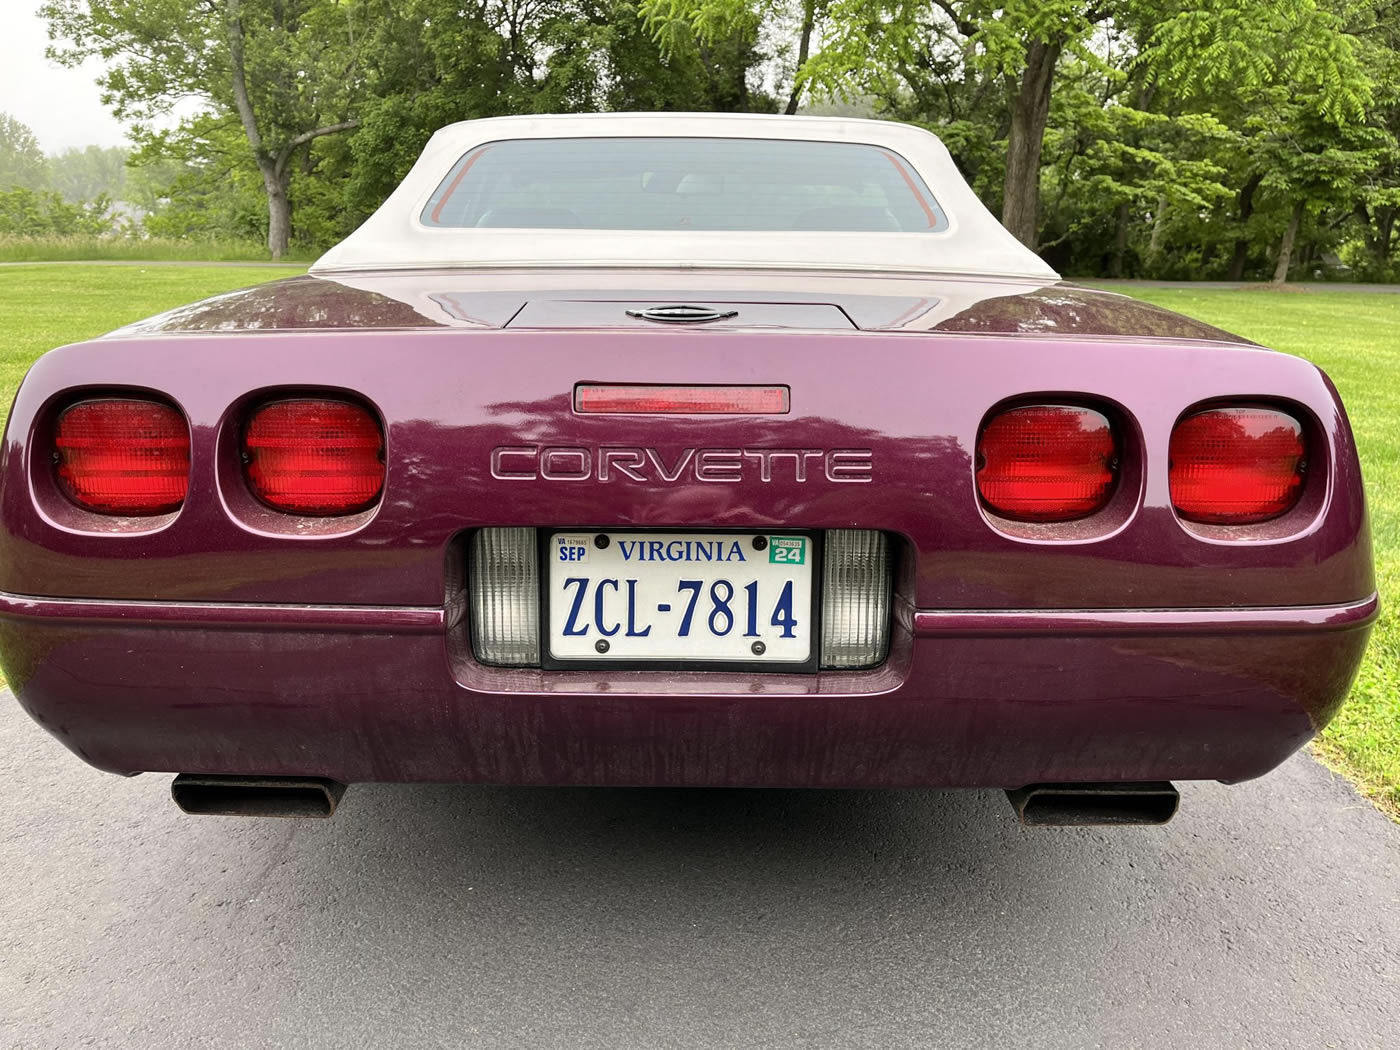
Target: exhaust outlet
{"x": 237, "y": 796}
{"x": 1089, "y": 805}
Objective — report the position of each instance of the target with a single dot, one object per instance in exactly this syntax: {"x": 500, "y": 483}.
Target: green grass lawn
{"x": 1354, "y": 337}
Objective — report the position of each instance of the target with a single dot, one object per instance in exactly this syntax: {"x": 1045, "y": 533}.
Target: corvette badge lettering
{"x": 723, "y": 465}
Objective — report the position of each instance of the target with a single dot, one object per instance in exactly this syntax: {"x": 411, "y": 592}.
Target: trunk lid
{"x": 592, "y": 298}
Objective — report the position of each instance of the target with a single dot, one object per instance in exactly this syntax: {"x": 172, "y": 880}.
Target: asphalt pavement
{"x": 1266, "y": 915}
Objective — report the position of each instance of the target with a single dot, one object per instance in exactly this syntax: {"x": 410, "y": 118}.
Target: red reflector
{"x": 1236, "y": 466}
{"x": 314, "y": 456}
{"x": 1047, "y": 462}
{"x": 123, "y": 456}
{"x": 681, "y": 400}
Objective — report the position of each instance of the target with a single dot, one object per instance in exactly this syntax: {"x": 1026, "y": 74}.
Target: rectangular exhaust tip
{"x": 1095, "y": 805}
{"x": 239, "y": 796}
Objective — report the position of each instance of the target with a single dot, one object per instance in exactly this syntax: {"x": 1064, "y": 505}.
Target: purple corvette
{"x": 681, "y": 450}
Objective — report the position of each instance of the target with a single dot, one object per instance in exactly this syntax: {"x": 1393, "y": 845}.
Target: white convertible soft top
{"x": 395, "y": 238}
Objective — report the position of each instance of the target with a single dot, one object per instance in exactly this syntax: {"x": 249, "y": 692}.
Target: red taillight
{"x": 679, "y": 400}
{"x": 1047, "y": 462}
{"x": 314, "y": 456}
{"x": 123, "y": 456}
{"x": 1236, "y": 466}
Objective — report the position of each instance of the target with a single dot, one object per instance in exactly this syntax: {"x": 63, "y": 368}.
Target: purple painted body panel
{"x": 1130, "y": 646}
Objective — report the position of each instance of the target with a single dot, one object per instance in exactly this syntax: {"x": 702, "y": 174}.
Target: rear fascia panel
{"x": 898, "y": 411}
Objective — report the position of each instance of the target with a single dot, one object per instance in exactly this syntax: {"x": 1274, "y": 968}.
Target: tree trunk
{"x": 1030, "y": 110}
{"x": 809, "y": 16}
{"x": 1159, "y": 225}
{"x": 1377, "y": 230}
{"x": 1285, "y": 250}
{"x": 275, "y": 169}
{"x": 1120, "y": 241}
{"x": 1240, "y": 259}
{"x": 279, "y": 216}
{"x": 279, "y": 219}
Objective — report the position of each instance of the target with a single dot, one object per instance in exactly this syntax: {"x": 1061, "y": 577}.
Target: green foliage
{"x": 1361, "y": 263}
{"x": 436, "y": 64}
{"x": 128, "y": 247}
{"x": 1176, "y": 139}
{"x": 21, "y": 160}
{"x": 82, "y": 174}
{"x": 31, "y": 213}
{"x": 1206, "y": 48}
{"x": 390, "y": 71}
{"x": 1180, "y": 137}
{"x": 301, "y": 62}
{"x": 200, "y": 182}
{"x": 288, "y": 71}
{"x": 678, "y": 24}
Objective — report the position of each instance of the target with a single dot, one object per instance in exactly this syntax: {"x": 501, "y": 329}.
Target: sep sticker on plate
{"x": 571, "y": 550}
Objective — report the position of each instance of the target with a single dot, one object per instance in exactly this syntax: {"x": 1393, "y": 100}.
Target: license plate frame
{"x": 758, "y": 664}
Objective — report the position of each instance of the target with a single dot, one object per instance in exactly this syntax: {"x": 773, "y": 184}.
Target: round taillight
{"x": 1047, "y": 462}
{"x": 123, "y": 456}
{"x": 1236, "y": 465}
{"x": 314, "y": 456}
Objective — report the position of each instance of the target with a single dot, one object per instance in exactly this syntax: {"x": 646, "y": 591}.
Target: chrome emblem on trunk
{"x": 682, "y": 313}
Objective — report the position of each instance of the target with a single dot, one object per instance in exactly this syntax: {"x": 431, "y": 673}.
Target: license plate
{"x": 681, "y": 598}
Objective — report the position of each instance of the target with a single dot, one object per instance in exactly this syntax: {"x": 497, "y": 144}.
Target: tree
{"x": 1291, "y": 75}
{"x": 1376, "y": 207}
{"x": 288, "y": 71}
{"x": 80, "y": 174}
{"x": 32, "y": 213}
{"x": 440, "y": 61}
{"x": 199, "y": 182}
{"x": 21, "y": 160}
{"x": 679, "y": 26}
{"x": 1174, "y": 138}
{"x": 1019, "y": 47}
{"x": 975, "y": 49}
{"x": 893, "y": 48}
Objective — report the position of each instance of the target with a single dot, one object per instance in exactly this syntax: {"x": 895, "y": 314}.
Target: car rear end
{"x": 681, "y": 450}
{"x": 655, "y": 555}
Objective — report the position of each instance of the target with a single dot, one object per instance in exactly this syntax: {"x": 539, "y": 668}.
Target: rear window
{"x": 684, "y": 184}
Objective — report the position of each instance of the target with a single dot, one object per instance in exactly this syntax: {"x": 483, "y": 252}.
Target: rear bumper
{"x": 966, "y": 699}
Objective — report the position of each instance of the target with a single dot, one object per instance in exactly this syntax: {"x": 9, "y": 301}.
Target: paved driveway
{"x": 1267, "y": 915}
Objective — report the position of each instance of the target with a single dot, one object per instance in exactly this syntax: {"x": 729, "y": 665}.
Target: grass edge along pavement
{"x": 1353, "y": 336}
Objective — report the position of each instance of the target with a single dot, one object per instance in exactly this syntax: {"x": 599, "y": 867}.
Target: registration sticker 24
{"x": 787, "y": 550}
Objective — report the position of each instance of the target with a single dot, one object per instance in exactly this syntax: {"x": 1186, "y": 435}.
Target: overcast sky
{"x": 61, "y": 105}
